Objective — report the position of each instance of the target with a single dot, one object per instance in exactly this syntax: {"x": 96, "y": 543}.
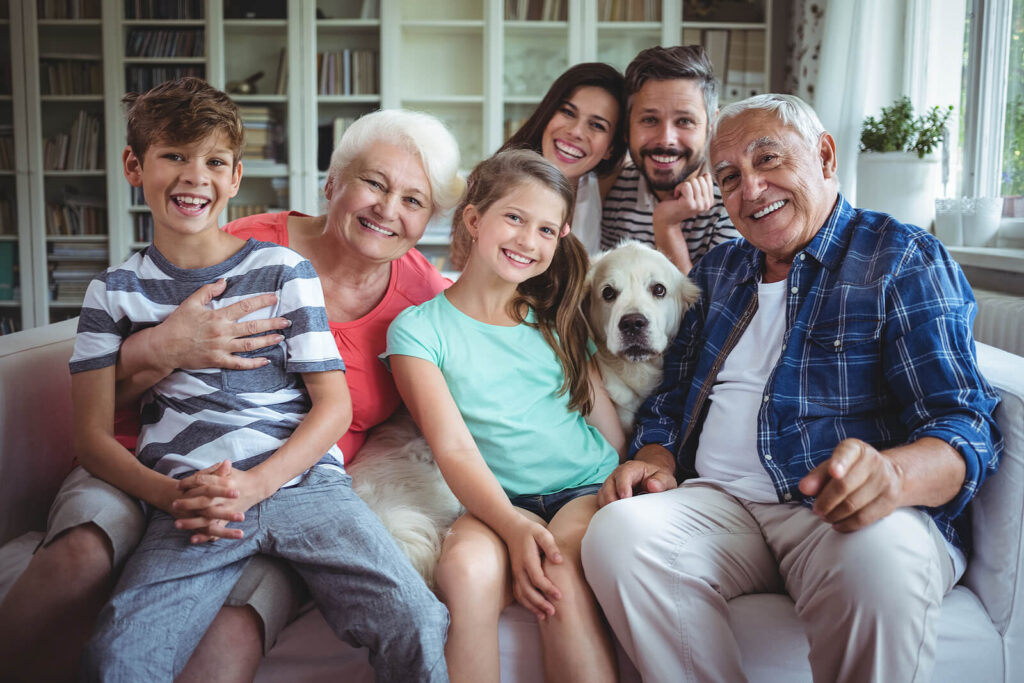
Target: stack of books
{"x": 261, "y": 134}
{"x": 75, "y": 265}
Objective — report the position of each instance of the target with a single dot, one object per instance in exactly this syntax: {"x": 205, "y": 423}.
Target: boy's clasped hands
{"x": 211, "y": 498}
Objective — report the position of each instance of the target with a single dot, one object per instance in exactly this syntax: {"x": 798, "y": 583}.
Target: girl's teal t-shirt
{"x": 505, "y": 381}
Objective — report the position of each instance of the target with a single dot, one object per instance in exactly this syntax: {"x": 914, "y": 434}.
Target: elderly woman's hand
{"x": 195, "y": 336}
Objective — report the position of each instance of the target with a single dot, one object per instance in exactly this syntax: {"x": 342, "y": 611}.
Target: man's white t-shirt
{"x": 727, "y": 450}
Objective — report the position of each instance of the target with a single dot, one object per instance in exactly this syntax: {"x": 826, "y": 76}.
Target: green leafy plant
{"x": 897, "y": 130}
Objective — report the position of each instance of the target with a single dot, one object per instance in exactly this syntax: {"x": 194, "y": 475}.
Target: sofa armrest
{"x": 996, "y": 568}
{"x": 35, "y": 423}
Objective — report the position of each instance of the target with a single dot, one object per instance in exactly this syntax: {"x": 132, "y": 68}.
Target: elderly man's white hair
{"x": 789, "y": 109}
{"x": 420, "y": 134}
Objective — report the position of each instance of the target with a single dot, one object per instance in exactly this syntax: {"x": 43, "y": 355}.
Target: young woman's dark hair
{"x": 595, "y": 74}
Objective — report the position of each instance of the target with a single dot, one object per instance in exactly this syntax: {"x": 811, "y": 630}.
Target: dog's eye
{"x": 609, "y": 293}
{"x": 658, "y": 289}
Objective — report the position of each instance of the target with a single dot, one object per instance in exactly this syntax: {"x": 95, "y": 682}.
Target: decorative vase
{"x": 899, "y": 183}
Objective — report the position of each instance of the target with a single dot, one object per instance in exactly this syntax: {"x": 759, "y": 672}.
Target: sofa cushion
{"x": 775, "y": 648}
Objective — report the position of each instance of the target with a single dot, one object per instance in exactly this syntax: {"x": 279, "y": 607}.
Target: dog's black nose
{"x": 632, "y": 323}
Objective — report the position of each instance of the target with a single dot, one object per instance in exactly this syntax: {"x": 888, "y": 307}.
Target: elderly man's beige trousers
{"x": 664, "y": 565}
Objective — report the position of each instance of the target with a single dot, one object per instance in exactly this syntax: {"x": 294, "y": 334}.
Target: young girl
{"x": 579, "y": 127}
{"x": 495, "y": 370}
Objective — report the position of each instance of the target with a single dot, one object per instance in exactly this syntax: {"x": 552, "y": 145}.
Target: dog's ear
{"x": 688, "y": 292}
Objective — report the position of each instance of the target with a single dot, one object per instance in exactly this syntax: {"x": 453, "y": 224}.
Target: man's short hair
{"x": 670, "y": 63}
{"x": 182, "y": 111}
{"x": 789, "y": 109}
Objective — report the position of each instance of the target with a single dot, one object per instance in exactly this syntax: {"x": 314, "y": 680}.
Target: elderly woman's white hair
{"x": 421, "y": 134}
{"x": 789, "y": 109}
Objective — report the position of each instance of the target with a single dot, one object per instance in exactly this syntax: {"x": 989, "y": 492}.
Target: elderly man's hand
{"x": 857, "y": 486}
{"x": 650, "y": 472}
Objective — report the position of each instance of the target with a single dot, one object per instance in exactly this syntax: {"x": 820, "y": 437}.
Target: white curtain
{"x": 803, "y": 48}
{"x": 861, "y": 70}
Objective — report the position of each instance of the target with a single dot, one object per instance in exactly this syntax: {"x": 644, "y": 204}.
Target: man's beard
{"x": 693, "y": 163}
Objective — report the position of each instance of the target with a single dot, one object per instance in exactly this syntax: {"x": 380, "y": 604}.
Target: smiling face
{"x": 381, "y": 203}
{"x": 579, "y": 135}
{"x": 668, "y": 131}
{"x": 516, "y": 236}
{"x": 186, "y": 185}
{"x": 777, "y": 188}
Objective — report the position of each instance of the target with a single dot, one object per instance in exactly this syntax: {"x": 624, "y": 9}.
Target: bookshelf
{"x": 10, "y": 286}
{"x": 479, "y": 65}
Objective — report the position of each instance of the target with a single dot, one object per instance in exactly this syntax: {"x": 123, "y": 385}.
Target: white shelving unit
{"x": 464, "y": 61}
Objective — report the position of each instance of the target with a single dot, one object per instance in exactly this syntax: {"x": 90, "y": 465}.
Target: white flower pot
{"x": 899, "y": 183}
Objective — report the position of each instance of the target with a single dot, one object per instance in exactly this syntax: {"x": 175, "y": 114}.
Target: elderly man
{"x": 823, "y": 408}
{"x": 665, "y": 196}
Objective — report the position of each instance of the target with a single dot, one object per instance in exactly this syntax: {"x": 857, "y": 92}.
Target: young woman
{"x": 496, "y": 373}
{"x": 579, "y": 127}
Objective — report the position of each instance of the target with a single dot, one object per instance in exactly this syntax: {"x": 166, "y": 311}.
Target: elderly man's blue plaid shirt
{"x": 878, "y": 346}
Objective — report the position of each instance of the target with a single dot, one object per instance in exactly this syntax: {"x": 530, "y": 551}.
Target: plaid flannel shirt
{"x": 878, "y": 346}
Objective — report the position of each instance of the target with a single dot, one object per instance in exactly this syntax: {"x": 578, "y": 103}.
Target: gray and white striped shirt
{"x": 196, "y": 418}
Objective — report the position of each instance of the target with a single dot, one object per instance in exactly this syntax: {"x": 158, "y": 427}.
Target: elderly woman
{"x": 391, "y": 172}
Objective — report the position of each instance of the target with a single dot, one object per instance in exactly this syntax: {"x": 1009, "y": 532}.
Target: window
{"x": 992, "y": 133}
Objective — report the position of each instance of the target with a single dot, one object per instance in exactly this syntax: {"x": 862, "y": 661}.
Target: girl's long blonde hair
{"x": 556, "y": 295}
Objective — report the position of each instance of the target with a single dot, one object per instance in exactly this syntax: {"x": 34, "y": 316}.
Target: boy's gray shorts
{"x": 268, "y": 584}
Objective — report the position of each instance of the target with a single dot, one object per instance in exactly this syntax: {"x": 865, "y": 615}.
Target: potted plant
{"x": 897, "y": 171}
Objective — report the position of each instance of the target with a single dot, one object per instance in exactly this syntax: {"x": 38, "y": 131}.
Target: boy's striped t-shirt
{"x": 196, "y": 418}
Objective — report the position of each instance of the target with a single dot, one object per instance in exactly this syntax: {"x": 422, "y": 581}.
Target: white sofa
{"x": 981, "y": 634}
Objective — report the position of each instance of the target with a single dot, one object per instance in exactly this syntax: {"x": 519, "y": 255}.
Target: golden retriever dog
{"x": 635, "y": 301}
{"x": 395, "y": 474}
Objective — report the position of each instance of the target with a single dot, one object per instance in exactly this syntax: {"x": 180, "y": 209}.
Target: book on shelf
{"x": 236, "y": 211}
{"x": 8, "y": 255}
{"x": 692, "y": 36}
{"x": 68, "y": 9}
{"x": 258, "y": 9}
{"x": 143, "y": 224}
{"x": 281, "y": 84}
{"x": 9, "y": 325}
{"x": 68, "y": 74}
{"x": 76, "y": 215}
{"x": 79, "y": 251}
{"x": 142, "y": 78}
{"x": 6, "y": 147}
{"x": 328, "y": 137}
{"x": 164, "y": 43}
{"x": 350, "y": 71}
{"x": 77, "y": 149}
{"x": 734, "y": 83}
{"x": 164, "y": 9}
{"x": 7, "y": 226}
{"x": 629, "y": 10}
{"x": 370, "y": 9}
{"x": 755, "y": 60}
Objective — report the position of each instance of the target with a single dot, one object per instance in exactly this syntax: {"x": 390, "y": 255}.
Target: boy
{"x": 270, "y": 432}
